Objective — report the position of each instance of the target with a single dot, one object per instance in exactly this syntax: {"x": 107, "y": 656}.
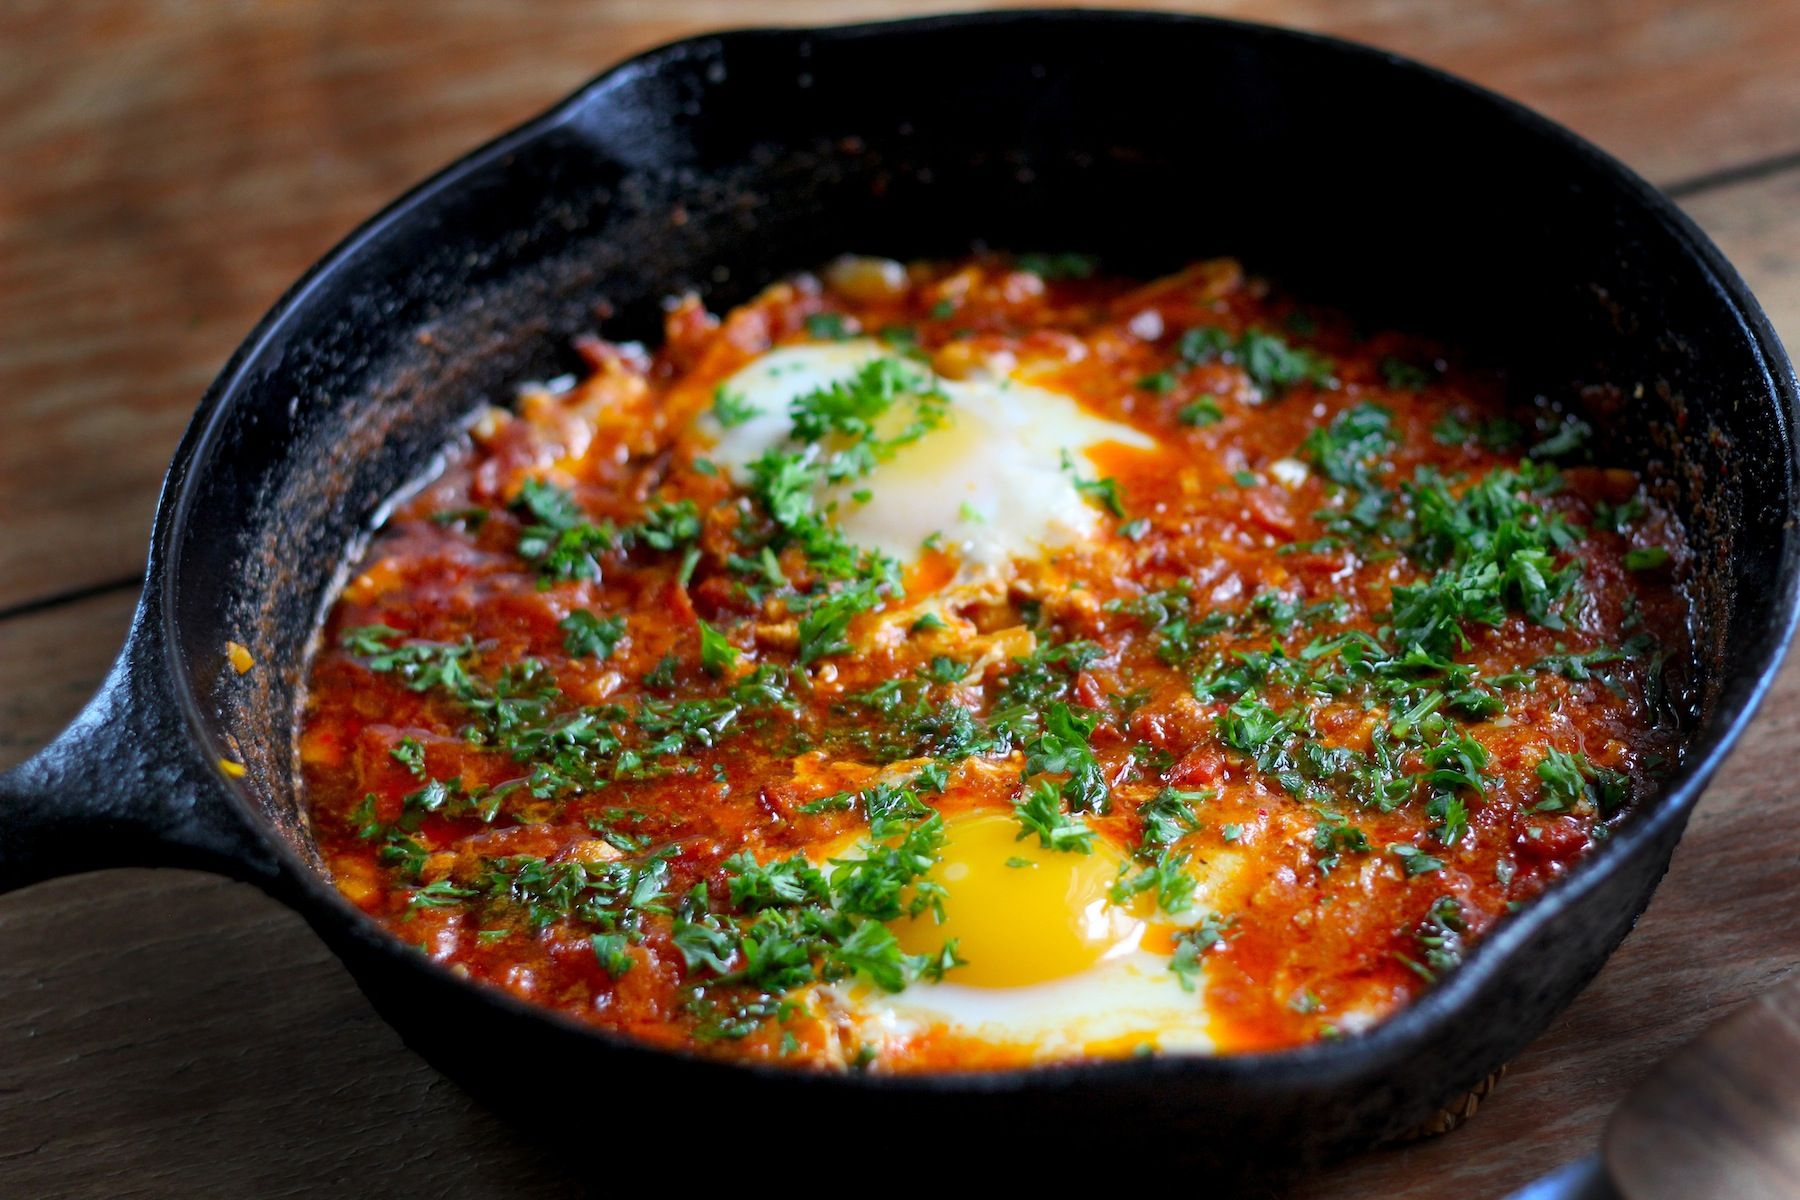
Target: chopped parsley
{"x": 564, "y": 545}
{"x": 411, "y": 755}
{"x": 1348, "y": 450}
{"x": 1041, "y": 813}
{"x": 1061, "y": 748}
{"x": 1438, "y": 940}
{"x": 927, "y": 623}
{"x": 1570, "y": 780}
{"x": 730, "y": 408}
{"x": 1202, "y": 410}
{"x": 1169, "y": 816}
{"x": 822, "y": 629}
{"x": 717, "y": 655}
{"x": 588, "y": 636}
{"x": 828, "y": 326}
{"x": 1059, "y": 265}
{"x": 1414, "y": 860}
{"x": 1563, "y": 437}
{"x": 1403, "y": 376}
{"x": 1273, "y": 363}
{"x": 1333, "y": 837}
{"x": 1104, "y": 492}
{"x": 1194, "y": 943}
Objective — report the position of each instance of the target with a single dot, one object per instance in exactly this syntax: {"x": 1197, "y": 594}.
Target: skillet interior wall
{"x": 722, "y": 164}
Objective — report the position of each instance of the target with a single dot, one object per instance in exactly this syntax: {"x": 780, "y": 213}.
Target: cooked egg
{"x": 993, "y": 878}
{"x": 1051, "y": 965}
{"x": 992, "y": 481}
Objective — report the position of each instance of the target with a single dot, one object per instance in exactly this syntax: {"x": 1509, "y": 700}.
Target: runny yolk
{"x": 1020, "y": 914}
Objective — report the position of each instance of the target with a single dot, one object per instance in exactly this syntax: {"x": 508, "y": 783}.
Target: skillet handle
{"x": 125, "y": 785}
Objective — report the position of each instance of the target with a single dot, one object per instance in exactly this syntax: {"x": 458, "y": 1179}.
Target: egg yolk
{"x": 1020, "y": 914}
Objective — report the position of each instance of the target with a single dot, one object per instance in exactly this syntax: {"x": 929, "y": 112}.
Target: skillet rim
{"x": 307, "y": 889}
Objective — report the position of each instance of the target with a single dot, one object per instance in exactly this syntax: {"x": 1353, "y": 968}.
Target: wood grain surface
{"x": 1720, "y": 1116}
{"x": 170, "y": 167}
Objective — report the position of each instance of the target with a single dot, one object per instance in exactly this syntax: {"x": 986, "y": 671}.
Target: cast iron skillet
{"x": 723, "y": 162}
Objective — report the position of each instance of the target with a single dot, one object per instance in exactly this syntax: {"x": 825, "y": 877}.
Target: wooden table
{"x": 167, "y": 168}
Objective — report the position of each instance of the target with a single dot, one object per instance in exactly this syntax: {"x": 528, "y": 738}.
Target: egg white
{"x": 1124, "y": 1001}
{"x": 992, "y": 483}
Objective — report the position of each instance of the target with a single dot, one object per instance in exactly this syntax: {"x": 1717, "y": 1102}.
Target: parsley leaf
{"x": 1191, "y": 944}
{"x": 1347, "y": 451}
{"x": 586, "y": 635}
{"x": 717, "y": 655}
{"x": 1041, "y": 812}
{"x": 1202, "y": 410}
{"x": 1272, "y": 363}
{"x": 730, "y": 408}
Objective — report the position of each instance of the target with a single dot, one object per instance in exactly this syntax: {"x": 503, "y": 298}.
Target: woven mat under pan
{"x": 1453, "y": 1115}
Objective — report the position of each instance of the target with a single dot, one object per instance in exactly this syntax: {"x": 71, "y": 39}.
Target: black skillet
{"x": 723, "y": 162}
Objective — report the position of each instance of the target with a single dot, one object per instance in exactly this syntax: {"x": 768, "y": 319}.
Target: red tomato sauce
{"x": 1385, "y": 643}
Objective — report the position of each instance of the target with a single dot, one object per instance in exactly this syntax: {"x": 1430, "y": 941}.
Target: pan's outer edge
{"x": 300, "y": 886}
